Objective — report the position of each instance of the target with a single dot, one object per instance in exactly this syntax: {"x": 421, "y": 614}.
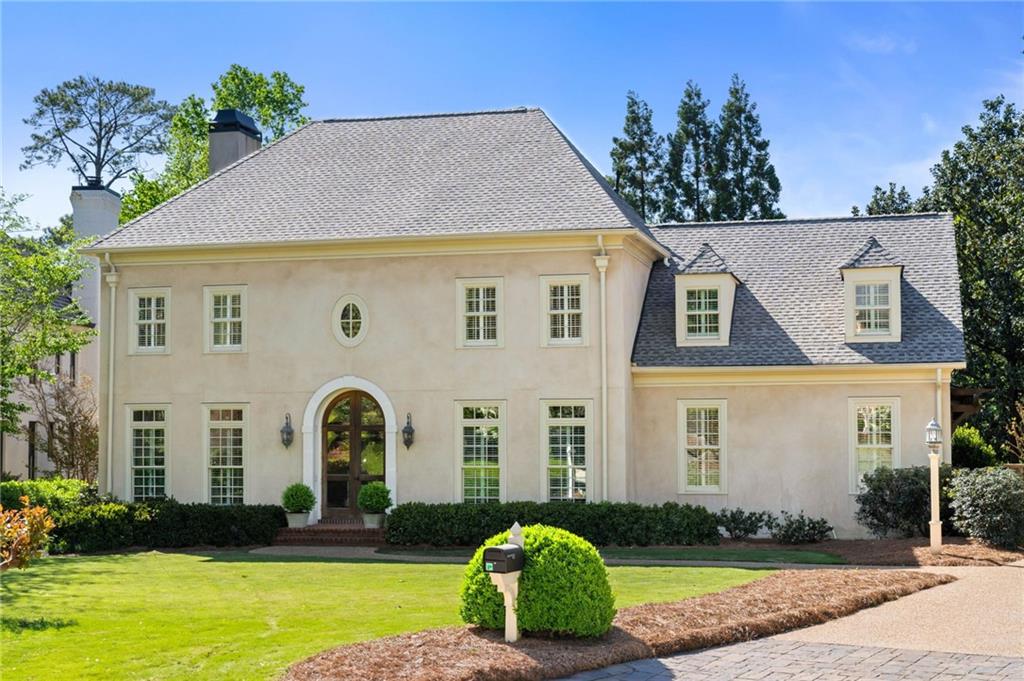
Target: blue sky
{"x": 850, "y": 95}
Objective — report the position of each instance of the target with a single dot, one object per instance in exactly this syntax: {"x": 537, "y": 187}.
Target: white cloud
{"x": 928, "y": 124}
{"x": 880, "y": 43}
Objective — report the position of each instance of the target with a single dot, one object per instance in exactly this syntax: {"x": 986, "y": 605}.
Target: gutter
{"x": 112, "y": 278}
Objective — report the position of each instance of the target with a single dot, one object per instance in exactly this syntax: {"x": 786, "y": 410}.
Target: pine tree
{"x": 637, "y": 159}
{"x": 686, "y": 191}
{"x": 746, "y": 186}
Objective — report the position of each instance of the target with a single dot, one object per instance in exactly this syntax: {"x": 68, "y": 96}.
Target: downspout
{"x": 112, "y": 278}
{"x": 938, "y": 408}
{"x": 601, "y": 261}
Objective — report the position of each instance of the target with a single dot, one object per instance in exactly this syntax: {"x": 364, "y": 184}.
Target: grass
{"x": 751, "y": 555}
{"x": 235, "y": 615}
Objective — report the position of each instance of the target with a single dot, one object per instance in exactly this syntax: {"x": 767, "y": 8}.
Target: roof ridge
{"x": 825, "y": 218}
{"x": 449, "y": 114}
{"x": 201, "y": 182}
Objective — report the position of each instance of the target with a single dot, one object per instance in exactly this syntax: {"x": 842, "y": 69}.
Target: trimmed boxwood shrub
{"x": 898, "y": 501}
{"x": 97, "y": 527}
{"x": 602, "y": 524}
{"x": 988, "y": 504}
{"x": 740, "y": 524}
{"x": 563, "y": 590}
{"x": 799, "y": 529}
{"x": 298, "y": 498}
{"x": 374, "y": 497}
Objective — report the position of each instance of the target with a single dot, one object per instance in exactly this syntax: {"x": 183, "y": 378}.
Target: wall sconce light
{"x": 408, "y": 432}
{"x": 287, "y": 432}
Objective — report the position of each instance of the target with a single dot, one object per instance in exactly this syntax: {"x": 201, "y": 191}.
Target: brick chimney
{"x": 233, "y": 135}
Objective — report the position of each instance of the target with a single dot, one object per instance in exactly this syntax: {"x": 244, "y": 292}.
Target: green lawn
{"x": 234, "y": 615}
{"x": 751, "y": 555}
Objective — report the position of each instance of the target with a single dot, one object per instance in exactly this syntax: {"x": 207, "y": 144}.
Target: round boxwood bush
{"x": 298, "y": 498}
{"x": 374, "y": 497}
{"x": 563, "y": 590}
{"x": 988, "y": 504}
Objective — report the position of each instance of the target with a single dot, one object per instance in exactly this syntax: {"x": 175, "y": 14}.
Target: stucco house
{"x": 460, "y": 306}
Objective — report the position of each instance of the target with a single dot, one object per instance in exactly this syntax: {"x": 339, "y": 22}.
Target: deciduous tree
{"x": 65, "y": 410}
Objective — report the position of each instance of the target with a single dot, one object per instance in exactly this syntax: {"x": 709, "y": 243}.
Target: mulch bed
{"x": 782, "y": 601}
{"x": 908, "y": 552}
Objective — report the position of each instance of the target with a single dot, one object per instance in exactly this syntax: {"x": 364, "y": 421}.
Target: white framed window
{"x": 150, "y": 309}
{"x": 225, "y": 313}
{"x": 480, "y": 305}
{"x": 564, "y": 310}
{"x": 874, "y": 436}
{"x": 147, "y": 451}
{"x": 350, "y": 320}
{"x": 872, "y": 309}
{"x": 225, "y": 435}
{"x": 702, "y": 446}
{"x": 480, "y": 437}
{"x": 702, "y": 313}
{"x": 567, "y": 449}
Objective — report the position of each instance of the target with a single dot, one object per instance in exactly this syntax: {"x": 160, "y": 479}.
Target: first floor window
{"x": 149, "y": 452}
{"x": 875, "y": 436}
{"x": 702, "y": 313}
{"x": 480, "y": 440}
{"x": 702, "y": 431}
{"x": 872, "y": 309}
{"x": 567, "y": 443}
{"x": 225, "y": 437}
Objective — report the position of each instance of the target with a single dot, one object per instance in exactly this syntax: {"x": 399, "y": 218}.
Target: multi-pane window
{"x": 875, "y": 436}
{"x": 565, "y": 302}
{"x": 872, "y": 309}
{"x": 703, "y": 445}
{"x": 351, "y": 320}
{"x": 480, "y": 314}
{"x": 702, "y": 313}
{"x": 480, "y": 451}
{"x": 225, "y": 318}
{"x": 149, "y": 452}
{"x": 225, "y": 433}
{"x": 150, "y": 321}
{"x": 566, "y": 436}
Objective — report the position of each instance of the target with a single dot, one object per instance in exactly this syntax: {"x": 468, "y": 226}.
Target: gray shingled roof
{"x": 497, "y": 171}
{"x": 789, "y": 308}
{"x": 871, "y": 254}
{"x": 706, "y": 261}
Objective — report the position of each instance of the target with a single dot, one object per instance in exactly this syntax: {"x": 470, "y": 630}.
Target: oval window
{"x": 349, "y": 320}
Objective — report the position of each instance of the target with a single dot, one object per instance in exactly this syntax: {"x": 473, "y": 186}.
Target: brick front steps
{"x": 330, "y": 534}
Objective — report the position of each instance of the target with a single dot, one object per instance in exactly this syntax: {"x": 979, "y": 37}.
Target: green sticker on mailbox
{"x": 488, "y": 566}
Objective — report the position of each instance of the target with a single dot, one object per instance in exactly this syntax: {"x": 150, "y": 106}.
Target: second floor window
{"x": 872, "y": 309}
{"x": 702, "y": 313}
{"x": 225, "y": 314}
{"x": 480, "y": 310}
{"x": 564, "y": 301}
{"x": 149, "y": 319}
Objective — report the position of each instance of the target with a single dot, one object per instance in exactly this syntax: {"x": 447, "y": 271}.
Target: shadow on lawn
{"x": 16, "y": 625}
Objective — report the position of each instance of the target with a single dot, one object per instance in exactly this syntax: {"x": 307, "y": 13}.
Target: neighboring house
{"x": 472, "y": 276}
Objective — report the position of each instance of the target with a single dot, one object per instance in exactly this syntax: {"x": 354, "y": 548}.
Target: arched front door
{"x": 353, "y": 451}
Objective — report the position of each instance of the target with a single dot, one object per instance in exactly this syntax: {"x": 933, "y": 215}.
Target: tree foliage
{"x": 889, "y": 201}
{"x": 24, "y": 533}
{"x": 637, "y": 158}
{"x": 101, "y": 127}
{"x": 34, "y": 276}
{"x": 275, "y": 103}
{"x": 65, "y": 409}
{"x": 688, "y": 168}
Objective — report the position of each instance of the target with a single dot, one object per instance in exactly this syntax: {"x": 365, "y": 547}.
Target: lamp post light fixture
{"x": 933, "y": 438}
{"x": 408, "y": 433}
{"x": 287, "y": 432}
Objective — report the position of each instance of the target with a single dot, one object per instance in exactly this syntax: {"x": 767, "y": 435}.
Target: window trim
{"x": 208, "y": 293}
{"x": 461, "y": 284}
{"x": 129, "y": 483}
{"x": 588, "y": 422}
{"x": 546, "y": 282}
{"x": 502, "y": 406}
{"x": 682, "y": 484}
{"x": 206, "y": 407}
{"x": 872, "y": 275}
{"x": 364, "y": 327}
{"x": 853, "y": 403}
{"x": 133, "y": 310}
{"x": 718, "y": 313}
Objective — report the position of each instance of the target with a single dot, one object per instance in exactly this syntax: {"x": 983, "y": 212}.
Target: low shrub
{"x": 24, "y": 534}
{"x": 601, "y": 524}
{"x": 298, "y": 498}
{"x": 799, "y": 529}
{"x": 98, "y": 527}
{"x": 56, "y": 494}
{"x": 988, "y": 504}
{"x": 563, "y": 591}
{"x": 898, "y": 501}
{"x": 740, "y": 524}
{"x": 374, "y": 497}
{"x": 970, "y": 450}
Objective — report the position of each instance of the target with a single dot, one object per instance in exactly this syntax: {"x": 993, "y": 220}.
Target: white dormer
{"x": 705, "y": 291}
{"x": 871, "y": 280}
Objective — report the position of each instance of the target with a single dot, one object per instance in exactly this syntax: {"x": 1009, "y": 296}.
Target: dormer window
{"x": 872, "y": 295}
{"x": 705, "y": 290}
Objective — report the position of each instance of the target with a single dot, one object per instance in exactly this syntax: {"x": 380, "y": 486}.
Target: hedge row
{"x": 602, "y": 524}
{"x": 56, "y": 494}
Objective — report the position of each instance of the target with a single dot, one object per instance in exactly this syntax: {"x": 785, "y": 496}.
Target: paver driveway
{"x": 773, "y": 659}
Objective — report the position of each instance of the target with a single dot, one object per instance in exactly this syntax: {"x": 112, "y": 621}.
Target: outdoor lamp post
{"x": 933, "y": 438}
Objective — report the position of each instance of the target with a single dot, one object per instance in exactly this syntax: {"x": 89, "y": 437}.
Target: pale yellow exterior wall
{"x": 788, "y": 435}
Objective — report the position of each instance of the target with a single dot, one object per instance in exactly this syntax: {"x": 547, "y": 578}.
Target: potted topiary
{"x": 298, "y": 500}
{"x": 374, "y": 499}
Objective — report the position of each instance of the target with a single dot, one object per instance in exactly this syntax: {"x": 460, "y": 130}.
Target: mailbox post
{"x": 504, "y": 564}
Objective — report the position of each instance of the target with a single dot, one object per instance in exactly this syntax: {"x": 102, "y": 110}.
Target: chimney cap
{"x": 232, "y": 119}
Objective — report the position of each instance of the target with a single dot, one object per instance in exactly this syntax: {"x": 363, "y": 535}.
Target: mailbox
{"x": 503, "y": 559}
